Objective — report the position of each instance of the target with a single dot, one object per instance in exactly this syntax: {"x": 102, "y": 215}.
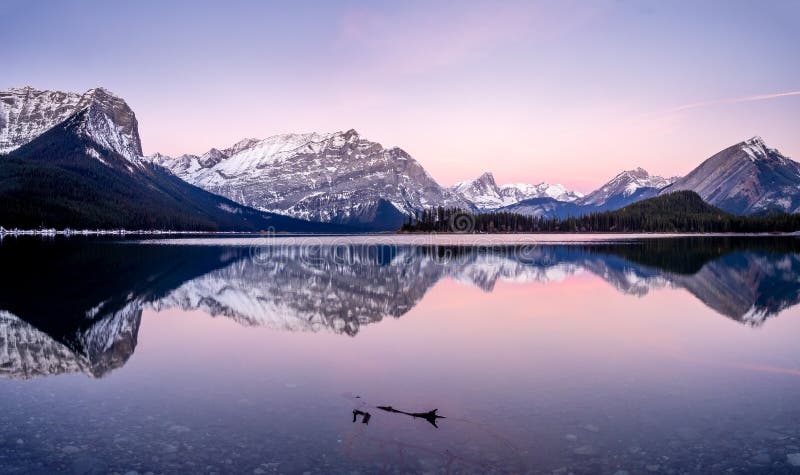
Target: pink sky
{"x": 547, "y": 91}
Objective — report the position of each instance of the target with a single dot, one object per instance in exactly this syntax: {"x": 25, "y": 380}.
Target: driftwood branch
{"x": 429, "y": 416}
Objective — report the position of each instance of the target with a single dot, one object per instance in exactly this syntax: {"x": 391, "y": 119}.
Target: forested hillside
{"x": 682, "y": 211}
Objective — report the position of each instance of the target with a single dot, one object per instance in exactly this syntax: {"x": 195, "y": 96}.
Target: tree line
{"x": 682, "y": 211}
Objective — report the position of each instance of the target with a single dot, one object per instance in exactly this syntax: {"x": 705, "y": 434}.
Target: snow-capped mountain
{"x": 26, "y": 113}
{"x": 484, "y": 193}
{"x": 747, "y": 178}
{"x": 337, "y": 177}
{"x": 524, "y": 191}
{"x": 74, "y": 160}
{"x": 626, "y": 187}
{"x": 90, "y": 143}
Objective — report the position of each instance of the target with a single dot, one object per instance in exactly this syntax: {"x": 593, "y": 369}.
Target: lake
{"x": 541, "y": 354}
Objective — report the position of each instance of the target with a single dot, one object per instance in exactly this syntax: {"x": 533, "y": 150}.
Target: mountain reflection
{"x": 75, "y": 306}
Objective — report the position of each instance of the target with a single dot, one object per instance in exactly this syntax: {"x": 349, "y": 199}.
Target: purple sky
{"x": 569, "y": 92}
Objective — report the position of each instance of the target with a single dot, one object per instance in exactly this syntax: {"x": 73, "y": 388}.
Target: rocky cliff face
{"x": 26, "y": 113}
{"x": 339, "y": 177}
{"x": 747, "y": 178}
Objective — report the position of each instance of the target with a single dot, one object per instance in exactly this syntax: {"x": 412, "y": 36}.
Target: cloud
{"x": 731, "y": 100}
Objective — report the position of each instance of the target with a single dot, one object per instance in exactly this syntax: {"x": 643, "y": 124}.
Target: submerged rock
{"x": 585, "y": 450}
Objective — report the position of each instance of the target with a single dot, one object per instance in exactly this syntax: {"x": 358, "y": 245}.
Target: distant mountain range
{"x": 485, "y": 195}
{"x": 75, "y": 160}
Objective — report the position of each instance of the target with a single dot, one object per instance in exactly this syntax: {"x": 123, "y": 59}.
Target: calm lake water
{"x": 645, "y": 355}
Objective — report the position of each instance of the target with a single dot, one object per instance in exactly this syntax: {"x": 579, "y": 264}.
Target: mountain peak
{"x": 487, "y": 177}
{"x": 746, "y": 178}
{"x": 243, "y": 144}
{"x": 350, "y": 136}
{"x": 623, "y": 186}
{"x": 22, "y": 89}
{"x": 484, "y": 193}
{"x": 755, "y": 148}
{"x": 211, "y": 158}
{"x": 28, "y": 112}
{"x": 755, "y": 140}
{"x": 100, "y": 91}
{"x": 637, "y": 172}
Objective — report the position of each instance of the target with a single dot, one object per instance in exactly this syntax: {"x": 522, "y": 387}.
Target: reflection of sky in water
{"x": 537, "y": 373}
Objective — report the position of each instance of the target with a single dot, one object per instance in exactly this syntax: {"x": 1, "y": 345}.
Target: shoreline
{"x": 50, "y": 232}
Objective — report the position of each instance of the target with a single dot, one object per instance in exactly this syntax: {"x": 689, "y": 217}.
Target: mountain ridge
{"x": 63, "y": 178}
{"x": 345, "y": 179}
{"x": 487, "y": 195}
{"x": 746, "y": 178}
{"x": 26, "y": 113}
{"x": 337, "y": 177}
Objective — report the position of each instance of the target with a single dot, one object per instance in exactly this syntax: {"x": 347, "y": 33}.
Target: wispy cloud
{"x": 414, "y": 41}
{"x": 730, "y": 100}
{"x": 420, "y": 38}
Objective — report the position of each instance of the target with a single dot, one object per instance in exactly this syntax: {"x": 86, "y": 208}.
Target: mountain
{"x": 544, "y": 207}
{"x": 26, "y": 113}
{"x": 86, "y": 172}
{"x": 680, "y": 211}
{"x": 484, "y": 193}
{"x": 338, "y": 177}
{"x": 627, "y": 187}
{"x": 70, "y": 159}
{"x": 746, "y": 178}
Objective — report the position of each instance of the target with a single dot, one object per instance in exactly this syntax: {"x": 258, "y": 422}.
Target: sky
{"x": 564, "y": 92}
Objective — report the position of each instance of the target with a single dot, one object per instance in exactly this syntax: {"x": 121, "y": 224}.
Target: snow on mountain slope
{"x": 486, "y": 195}
{"x": 545, "y": 207}
{"x": 94, "y": 154}
{"x": 26, "y": 113}
{"x": 483, "y": 192}
{"x": 337, "y": 177}
{"x": 746, "y": 178}
{"x": 625, "y": 188}
{"x": 525, "y": 191}
{"x": 624, "y": 185}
